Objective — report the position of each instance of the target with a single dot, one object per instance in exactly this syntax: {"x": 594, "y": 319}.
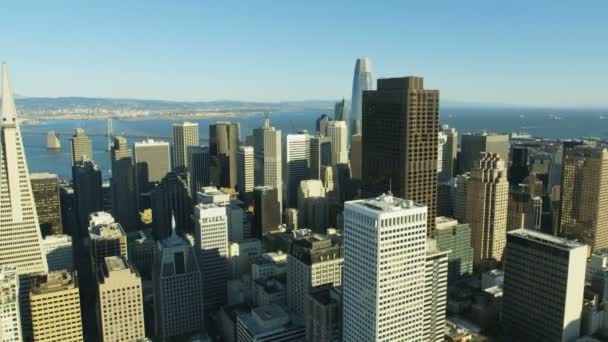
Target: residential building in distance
{"x": 314, "y": 261}
{"x": 337, "y": 132}
{"x": 297, "y": 162}
{"x": 184, "y": 134}
{"x": 245, "y": 176}
{"x": 373, "y": 236}
{"x": 268, "y": 157}
{"x": 363, "y": 80}
{"x": 223, "y": 147}
{"x": 10, "y": 311}
{"x": 320, "y": 155}
{"x": 584, "y": 196}
{"x": 171, "y": 198}
{"x": 211, "y": 236}
{"x": 124, "y": 192}
{"x": 400, "y": 125}
{"x": 268, "y": 323}
{"x": 472, "y": 145}
{"x": 81, "y": 148}
{"x": 45, "y": 187}
{"x": 456, "y": 238}
{"x": 544, "y": 280}
{"x": 55, "y": 305}
{"x": 266, "y": 212}
{"x": 152, "y": 163}
{"x": 88, "y": 195}
{"x": 199, "y": 170}
{"x": 59, "y": 253}
{"x": 313, "y": 206}
{"x": 120, "y": 298}
{"x": 487, "y": 205}
{"x": 178, "y": 290}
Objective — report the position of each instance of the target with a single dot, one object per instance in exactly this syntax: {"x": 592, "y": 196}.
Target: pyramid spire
{"x": 8, "y": 103}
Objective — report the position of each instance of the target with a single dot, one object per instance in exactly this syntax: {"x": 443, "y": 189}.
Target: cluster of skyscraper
{"x": 354, "y": 232}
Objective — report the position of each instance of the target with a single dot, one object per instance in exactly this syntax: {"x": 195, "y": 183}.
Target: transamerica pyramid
{"x": 20, "y": 238}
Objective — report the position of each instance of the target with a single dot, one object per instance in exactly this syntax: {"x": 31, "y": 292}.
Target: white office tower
{"x": 178, "y": 292}
{"x": 20, "y": 237}
{"x": 239, "y": 227}
{"x": 383, "y": 294}
{"x": 297, "y": 162}
{"x": 58, "y": 251}
{"x": 313, "y": 206}
{"x": 337, "y": 132}
{"x": 362, "y": 80}
{"x": 212, "y": 245}
{"x": 245, "y": 177}
{"x": 198, "y": 170}
{"x": 10, "y": 319}
{"x": 543, "y": 287}
{"x": 442, "y": 139}
{"x": 121, "y": 306}
{"x": 267, "y": 156}
{"x": 184, "y": 134}
{"x": 436, "y": 292}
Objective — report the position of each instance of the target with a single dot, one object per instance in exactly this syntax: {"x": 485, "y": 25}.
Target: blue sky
{"x": 542, "y": 53}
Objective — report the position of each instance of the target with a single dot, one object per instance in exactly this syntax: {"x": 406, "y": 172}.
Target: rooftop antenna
{"x": 266, "y": 120}
{"x": 390, "y": 186}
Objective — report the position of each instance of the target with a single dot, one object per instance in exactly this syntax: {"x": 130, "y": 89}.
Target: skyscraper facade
{"x": 449, "y": 153}
{"x": 45, "y": 187}
{"x": 198, "y": 172}
{"x": 223, "y": 147}
{"x": 356, "y": 150}
{"x": 400, "y": 125}
{"x": 152, "y": 163}
{"x": 384, "y": 297}
{"x": 245, "y": 179}
{"x": 184, "y": 134}
{"x": 544, "y": 282}
{"x": 267, "y": 153}
{"x": 124, "y": 194}
{"x": 471, "y": 146}
{"x": 456, "y": 238}
{"x": 486, "y": 209}
{"x": 362, "y": 80}
{"x": 266, "y": 211}
{"x": 313, "y": 206}
{"x": 171, "y": 198}
{"x": 88, "y": 195}
{"x": 297, "y": 159}
{"x": 20, "y": 237}
{"x": 435, "y": 292}
{"x": 10, "y": 311}
{"x": 584, "y": 195}
{"x": 320, "y": 155}
{"x": 338, "y": 133}
{"x": 81, "y": 148}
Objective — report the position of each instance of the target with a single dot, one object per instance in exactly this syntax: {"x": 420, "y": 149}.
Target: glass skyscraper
{"x": 362, "y": 80}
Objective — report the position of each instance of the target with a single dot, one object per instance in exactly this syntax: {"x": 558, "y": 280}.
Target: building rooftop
{"x": 42, "y": 175}
{"x": 51, "y": 239}
{"x": 546, "y": 239}
{"x": 387, "y": 203}
{"x": 151, "y": 142}
{"x": 106, "y": 231}
{"x": 54, "y": 282}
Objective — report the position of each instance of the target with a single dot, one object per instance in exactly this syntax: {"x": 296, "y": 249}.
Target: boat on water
{"x": 52, "y": 141}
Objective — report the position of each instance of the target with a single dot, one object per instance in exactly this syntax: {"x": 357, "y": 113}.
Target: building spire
{"x": 8, "y": 103}
{"x": 266, "y": 120}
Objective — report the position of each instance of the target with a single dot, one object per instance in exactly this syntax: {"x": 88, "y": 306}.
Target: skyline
{"x": 289, "y": 52}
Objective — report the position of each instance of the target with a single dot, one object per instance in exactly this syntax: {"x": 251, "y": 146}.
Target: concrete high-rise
{"x": 341, "y": 111}
{"x": 10, "y": 311}
{"x": 356, "y": 150}
{"x": 59, "y": 252}
{"x": 152, "y": 163}
{"x": 178, "y": 291}
{"x": 313, "y": 206}
{"x": 88, "y": 195}
{"x": 120, "y": 298}
{"x": 223, "y": 147}
{"x": 362, "y": 80}
{"x": 198, "y": 170}
{"x": 297, "y": 159}
{"x": 338, "y": 133}
{"x": 45, "y": 187}
{"x": 471, "y": 146}
{"x": 373, "y": 249}
{"x": 543, "y": 287}
{"x": 456, "y": 238}
{"x": 106, "y": 239}
{"x": 171, "y": 198}
{"x": 81, "y": 148}
{"x": 55, "y": 305}
{"x": 245, "y": 176}
{"x": 448, "y": 153}
{"x": 584, "y": 196}
{"x": 20, "y": 237}
{"x": 320, "y": 155}
{"x": 459, "y": 196}
{"x": 400, "y": 125}
{"x": 211, "y": 240}
{"x": 314, "y": 261}
{"x": 486, "y": 210}
{"x": 435, "y": 292}
{"x": 266, "y": 210}
{"x": 124, "y": 194}
{"x": 267, "y": 157}
{"x": 184, "y": 134}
